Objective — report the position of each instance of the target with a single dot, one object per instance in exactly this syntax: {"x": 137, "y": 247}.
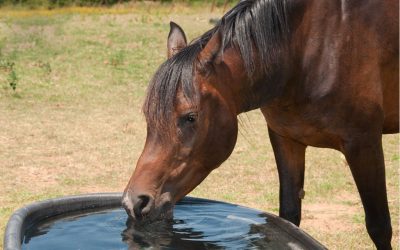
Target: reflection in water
{"x": 162, "y": 235}
{"x": 197, "y": 224}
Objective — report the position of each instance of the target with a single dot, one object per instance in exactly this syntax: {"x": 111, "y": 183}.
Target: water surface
{"x": 197, "y": 224}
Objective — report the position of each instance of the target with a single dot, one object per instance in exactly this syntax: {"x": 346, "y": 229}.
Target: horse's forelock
{"x": 176, "y": 73}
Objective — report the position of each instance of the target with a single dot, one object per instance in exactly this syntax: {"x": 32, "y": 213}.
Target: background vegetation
{"x": 63, "y": 3}
{"x": 72, "y": 82}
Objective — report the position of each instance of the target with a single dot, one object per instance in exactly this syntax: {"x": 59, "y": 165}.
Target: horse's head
{"x": 191, "y": 127}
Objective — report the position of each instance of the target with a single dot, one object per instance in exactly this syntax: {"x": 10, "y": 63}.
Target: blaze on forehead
{"x": 175, "y": 73}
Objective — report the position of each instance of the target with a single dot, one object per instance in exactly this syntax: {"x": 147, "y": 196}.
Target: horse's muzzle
{"x": 142, "y": 207}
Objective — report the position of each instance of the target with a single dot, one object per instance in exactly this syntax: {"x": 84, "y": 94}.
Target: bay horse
{"x": 325, "y": 73}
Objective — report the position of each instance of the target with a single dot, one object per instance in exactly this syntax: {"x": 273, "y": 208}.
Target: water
{"x": 198, "y": 224}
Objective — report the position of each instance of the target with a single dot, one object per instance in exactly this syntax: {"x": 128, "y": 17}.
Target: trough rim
{"x": 26, "y": 216}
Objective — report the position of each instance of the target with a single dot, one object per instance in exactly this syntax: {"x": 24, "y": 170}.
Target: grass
{"x": 73, "y": 124}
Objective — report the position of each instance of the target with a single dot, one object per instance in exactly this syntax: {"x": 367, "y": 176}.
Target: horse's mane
{"x": 251, "y": 24}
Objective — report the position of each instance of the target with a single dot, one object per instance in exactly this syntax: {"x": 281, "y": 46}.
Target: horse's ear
{"x": 176, "y": 39}
{"x": 212, "y": 52}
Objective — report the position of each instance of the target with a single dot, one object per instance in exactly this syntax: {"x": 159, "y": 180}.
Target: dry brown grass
{"x": 79, "y": 128}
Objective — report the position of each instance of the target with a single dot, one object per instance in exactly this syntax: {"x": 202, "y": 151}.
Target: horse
{"x": 325, "y": 73}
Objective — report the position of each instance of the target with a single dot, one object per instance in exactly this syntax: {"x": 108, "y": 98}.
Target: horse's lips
{"x": 163, "y": 213}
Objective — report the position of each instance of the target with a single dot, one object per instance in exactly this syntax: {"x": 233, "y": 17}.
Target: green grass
{"x": 73, "y": 124}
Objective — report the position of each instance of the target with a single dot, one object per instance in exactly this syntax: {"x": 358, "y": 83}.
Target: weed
{"x": 13, "y": 79}
{"x": 8, "y": 67}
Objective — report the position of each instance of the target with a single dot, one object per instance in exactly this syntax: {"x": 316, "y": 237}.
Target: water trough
{"x": 97, "y": 221}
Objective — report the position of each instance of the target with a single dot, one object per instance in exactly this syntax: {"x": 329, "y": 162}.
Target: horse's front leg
{"x": 365, "y": 157}
{"x": 290, "y": 158}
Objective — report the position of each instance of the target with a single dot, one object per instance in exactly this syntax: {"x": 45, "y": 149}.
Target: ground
{"x": 74, "y": 122}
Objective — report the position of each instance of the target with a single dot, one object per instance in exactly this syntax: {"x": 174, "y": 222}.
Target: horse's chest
{"x": 310, "y": 126}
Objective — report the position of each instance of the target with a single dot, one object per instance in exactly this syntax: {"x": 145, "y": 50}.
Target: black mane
{"x": 251, "y": 24}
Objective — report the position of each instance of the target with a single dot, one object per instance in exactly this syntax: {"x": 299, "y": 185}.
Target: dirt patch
{"x": 328, "y": 217}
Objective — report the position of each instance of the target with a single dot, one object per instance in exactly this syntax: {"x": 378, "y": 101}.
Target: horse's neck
{"x": 253, "y": 92}
{"x": 265, "y": 85}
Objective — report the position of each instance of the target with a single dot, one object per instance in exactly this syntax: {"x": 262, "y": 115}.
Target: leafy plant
{"x": 13, "y": 79}
{"x": 8, "y": 66}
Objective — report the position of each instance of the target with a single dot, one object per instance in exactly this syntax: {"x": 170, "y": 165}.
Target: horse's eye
{"x": 191, "y": 118}
{"x": 187, "y": 120}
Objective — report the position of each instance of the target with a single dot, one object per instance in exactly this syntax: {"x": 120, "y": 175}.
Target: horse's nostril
{"x": 142, "y": 205}
{"x": 144, "y": 201}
